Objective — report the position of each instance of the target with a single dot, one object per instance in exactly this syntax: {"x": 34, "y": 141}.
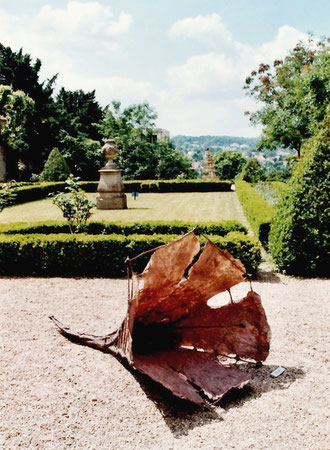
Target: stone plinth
{"x": 110, "y": 187}
{"x": 111, "y": 190}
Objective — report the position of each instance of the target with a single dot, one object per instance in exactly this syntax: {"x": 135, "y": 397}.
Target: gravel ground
{"x": 55, "y": 394}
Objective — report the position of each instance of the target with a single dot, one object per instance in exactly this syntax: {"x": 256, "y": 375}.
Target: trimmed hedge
{"x": 126, "y": 228}
{"x": 279, "y": 187}
{"x": 39, "y": 191}
{"x": 149, "y": 186}
{"x": 32, "y": 192}
{"x": 99, "y": 255}
{"x": 299, "y": 240}
{"x": 258, "y": 212}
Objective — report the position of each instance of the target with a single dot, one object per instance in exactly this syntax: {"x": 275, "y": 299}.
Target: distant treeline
{"x": 218, "y": 141}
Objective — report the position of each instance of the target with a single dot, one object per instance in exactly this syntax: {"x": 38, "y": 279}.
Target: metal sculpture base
{"x": 111, "y": 190}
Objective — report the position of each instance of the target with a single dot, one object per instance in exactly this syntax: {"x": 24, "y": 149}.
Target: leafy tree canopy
{"x": 78, "y": 112}
{"x": 228, "y": 164}
{"x": 16, "y": 108}
{"x": 83, "y": 155}
{"x": 18, "y": 71}
{"x": 293, "y": 93}
{"x": 171, "y": 163}
{"x": 141, "y": 156}
{"x": 252, "y": 171}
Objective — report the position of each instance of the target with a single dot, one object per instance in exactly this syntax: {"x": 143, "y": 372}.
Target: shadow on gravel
{"x": 181, "y": 416}
{"x": 267, "y": 277}
{"x": 261, "y": 383}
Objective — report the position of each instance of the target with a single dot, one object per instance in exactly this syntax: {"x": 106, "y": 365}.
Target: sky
{"x": 187, "y": 58}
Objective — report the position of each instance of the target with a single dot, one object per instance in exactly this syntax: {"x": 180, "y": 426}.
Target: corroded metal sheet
{"x": 191, "y": 374}
{"x": 168, "y": 312}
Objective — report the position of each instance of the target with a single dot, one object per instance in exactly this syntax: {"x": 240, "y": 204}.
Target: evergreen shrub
{"x": 300, "y": 234}
{"x": 56, "y": 168}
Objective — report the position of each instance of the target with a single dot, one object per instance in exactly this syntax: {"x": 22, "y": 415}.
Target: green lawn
{"x": 193, "y": 207}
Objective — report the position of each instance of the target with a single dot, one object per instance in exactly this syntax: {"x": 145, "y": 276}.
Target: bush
{"x": 163, "y": 186}
{"x": 8, "y": 194}
{"x": 56, "y": 168}
{"x": 127, "y": 228}
{"x": 272, "y": 192}
{"x": 252, "y": 171}
{"x": 228, "y": 164}
{"x": 33, "y": 192}
{"x": 300, "y": 233}
{"x": 258, "y": 212}
{"x": 74, "y": 204}
{"x": 90, "y": 255}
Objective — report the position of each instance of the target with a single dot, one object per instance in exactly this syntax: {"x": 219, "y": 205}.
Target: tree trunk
{"x": 3, "y": 165}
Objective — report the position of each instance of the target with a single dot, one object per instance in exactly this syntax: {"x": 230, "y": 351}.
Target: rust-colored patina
{"x": 173, "y": 336}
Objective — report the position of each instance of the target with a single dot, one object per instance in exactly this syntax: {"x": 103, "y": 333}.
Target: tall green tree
{"x": 79, "y": 137}
{"x": 16, "y": 110}
{"x": 20, "y": 72}
{"x": 293, "y": 94}
{"x": 131, "y": 128}
{"x": 79, "y": 113}
{"x": 171, "y": 163}
{"x": 141, "y": 156}
{"x": 228, "y": 164}
{"x": 252, "y": 171}
{"x": 82, "y": 154}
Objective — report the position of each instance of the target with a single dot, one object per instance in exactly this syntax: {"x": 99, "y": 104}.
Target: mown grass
{"x": 188, "y": 207}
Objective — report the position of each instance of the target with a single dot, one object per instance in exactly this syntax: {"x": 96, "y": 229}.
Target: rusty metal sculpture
{"x": 173, "y": 336}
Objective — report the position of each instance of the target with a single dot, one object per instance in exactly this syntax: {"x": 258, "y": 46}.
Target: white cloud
{"x": 205, "y": 92}
{"x": 126, "y": 90}
{"x": 201, "y": 95}
{"x": 199, "y": 75}
{"x": 286, "y": 38}
{"x": 79, "y": 19}
{"x": 208, "y": 26}
{"x": 197, "y": 116}
{"x": 65, "y": 38}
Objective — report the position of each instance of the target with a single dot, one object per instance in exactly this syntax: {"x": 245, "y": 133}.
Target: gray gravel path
{"x": 55, "y": 394}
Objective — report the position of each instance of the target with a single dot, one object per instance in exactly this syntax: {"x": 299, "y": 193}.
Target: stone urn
{"x": 110, "y": 189}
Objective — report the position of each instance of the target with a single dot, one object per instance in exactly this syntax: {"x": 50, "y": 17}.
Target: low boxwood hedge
{"x": 31, "y": 192}
{"x": 126, "y": 228}
{"x": 258, "y": 212}
{"x": 99, "y": 255}
{"x": 148, "y": 186}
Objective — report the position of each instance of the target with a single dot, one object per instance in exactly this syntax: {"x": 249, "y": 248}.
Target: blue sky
{"x": 187, "y": 58}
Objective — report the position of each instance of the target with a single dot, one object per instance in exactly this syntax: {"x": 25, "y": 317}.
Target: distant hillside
{"x": 195, "y": 146}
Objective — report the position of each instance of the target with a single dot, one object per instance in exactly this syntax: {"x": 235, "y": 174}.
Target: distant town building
{"x": 197, "y": 166}
{"x": 160, "y": 133}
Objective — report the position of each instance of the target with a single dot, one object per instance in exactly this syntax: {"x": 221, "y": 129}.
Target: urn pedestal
{"x": 110, "y": 187}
